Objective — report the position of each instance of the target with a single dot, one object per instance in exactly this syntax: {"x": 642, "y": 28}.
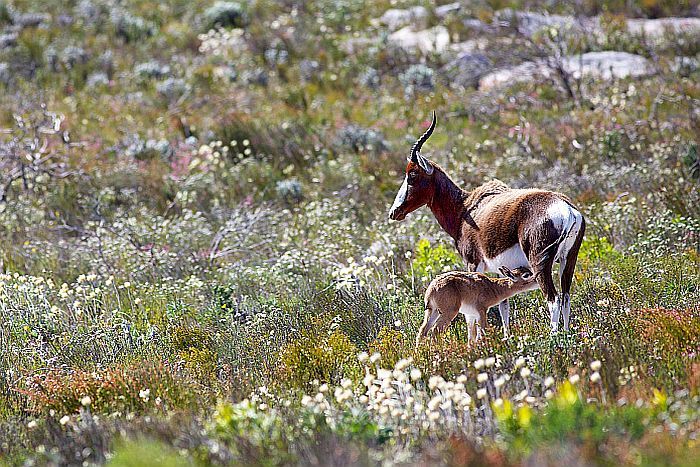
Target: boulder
{"x": 354, "y": 45}
{"x": 605, "y": 65}
{"x": 476, "y": 25}
{"x": 435, "y": 39}
{"x": 30, "y": 20}
{"x": 395, "y": 18}
{"x": 444, "y": 10}
{"x": 656, "y": 28}
{"x": 608, "y": 65}
{"x": 528, "y": 22}
{"x": 8, "y": 40}
{"x": 465, "y": 70}
{"x": 523, "y": 73}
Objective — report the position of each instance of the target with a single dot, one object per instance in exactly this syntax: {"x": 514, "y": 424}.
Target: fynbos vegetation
{"x": 198, "y": 266}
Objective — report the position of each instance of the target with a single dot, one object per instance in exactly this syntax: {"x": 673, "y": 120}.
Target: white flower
{"x": 481, "y": 393}
{"x": 595, "y": 365}
{"x": 31, "y": 424}
{"x": 595, "y": 377}
{"x": 383, "y": 374}
{"x": 498, "y": 402}
{"x": 345, "y": 383}
{"x": 415, "y": 374}
{"x": 363, "y": 357}
{"x": 548, "y": 394}
{"x": 499, "y": 382}
{"x": 489, "y": 362}
{"x": 574, "y": 379}
{"x": 65, "y": 419}
{"x": 403, "y": 364}
{"x": 482, "y": 377}
{"x": 323, "y": 388}
{"x": 85, "y": 401}
{"x": 479, "y": 364}
{"x": 548, "y": 381}
{"x": 525, "y": 372}
{"x": 375, "y": 357}
{"x": 519, "y": 362}
{"x": 462, "y": 379}
{"x": 434, "y": 403}
{"x": 434, "y": 381}
{"x": 144, "y": 393}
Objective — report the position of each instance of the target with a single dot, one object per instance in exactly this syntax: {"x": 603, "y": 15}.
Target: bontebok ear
{"x": 425, "y": 164}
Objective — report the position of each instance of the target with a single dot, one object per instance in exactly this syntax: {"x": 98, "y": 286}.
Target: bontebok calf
{"x": 469, "y": 293}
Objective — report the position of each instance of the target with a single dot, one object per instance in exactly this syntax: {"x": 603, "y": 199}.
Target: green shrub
{"x": 430, "y": 261}
{"x": 318, "y": 354}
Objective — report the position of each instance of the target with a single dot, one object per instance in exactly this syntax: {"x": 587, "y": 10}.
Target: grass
{"x": 197, "y": 265}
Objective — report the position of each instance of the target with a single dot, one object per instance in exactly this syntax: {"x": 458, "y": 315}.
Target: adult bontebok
{"x": 494, "y": 225}
{"x": 469, "y": 293}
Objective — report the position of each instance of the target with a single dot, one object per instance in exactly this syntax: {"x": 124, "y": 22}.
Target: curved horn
{"x": 418, "y": 144}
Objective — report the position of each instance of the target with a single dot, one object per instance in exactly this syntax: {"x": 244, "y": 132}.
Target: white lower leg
{"x": 554, "y": 313}
{"x": 504, "y": 310}
{"x": 566, "y": 309}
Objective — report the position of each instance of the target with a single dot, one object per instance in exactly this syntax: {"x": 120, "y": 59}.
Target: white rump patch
{"x": 566, "y": 220}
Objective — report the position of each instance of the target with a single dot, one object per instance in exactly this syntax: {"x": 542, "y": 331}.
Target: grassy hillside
{"x": 197, "y": 265}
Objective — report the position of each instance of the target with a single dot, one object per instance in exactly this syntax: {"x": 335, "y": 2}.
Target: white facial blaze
{"x": 400, "y": 196}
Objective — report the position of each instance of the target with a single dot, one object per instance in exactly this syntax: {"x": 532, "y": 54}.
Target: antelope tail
{"x": 552, "y": 249}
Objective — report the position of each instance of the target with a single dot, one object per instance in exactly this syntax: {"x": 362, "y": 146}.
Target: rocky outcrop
{"x": 435, "y": 39}
{"x": 657, "y": 28}
{"x": 465, "y": 70}
{"x": 395, "y": 18}
{"x": 605, "y": 65}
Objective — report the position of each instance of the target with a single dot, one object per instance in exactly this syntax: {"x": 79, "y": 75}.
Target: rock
{"x": 8, "y": 40}
{"x": 465, "y": 70}
{"x": 356, "y": 44}
{"x": 471, "y": 45}
{"x": 444, "y": 10}
{"x": 528, "y": 22}
{"x": 525, "y": 72}
{"x": 476, "y": 25}
{"x": 30, "y": 20}
{"x": 608, "y": 65}
{"x": 684, "y": 66}
{"x": 395, "y": 18}
{"x": 605, "y": 65}
{"x": 657, "y": 28}
{"x": 5, "y": 73}
{"x": 436, "y": 39}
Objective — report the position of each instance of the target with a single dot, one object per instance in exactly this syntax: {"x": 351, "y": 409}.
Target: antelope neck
{"x": 447, "y": 204}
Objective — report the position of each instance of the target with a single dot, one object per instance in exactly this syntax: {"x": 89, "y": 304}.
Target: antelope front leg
{"x": 504, "y": 310}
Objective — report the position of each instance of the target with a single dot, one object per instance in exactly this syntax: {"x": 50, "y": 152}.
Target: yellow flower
{"x": 524, "y": 416}
{"x": 660, "y": 399}
{"x": 567, "y": 394}
{"x": 503, "y": 410}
